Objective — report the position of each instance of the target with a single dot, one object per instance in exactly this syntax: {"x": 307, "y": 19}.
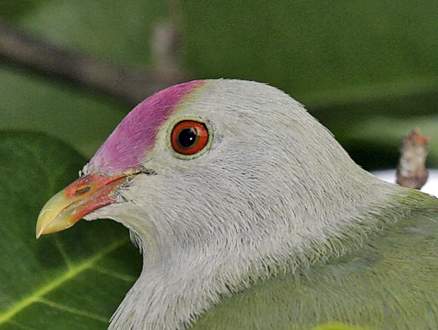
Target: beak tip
{"x": 51, "y": 219}
{"x": 40, "y": 229}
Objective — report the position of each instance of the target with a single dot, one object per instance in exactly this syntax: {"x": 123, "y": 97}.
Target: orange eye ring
{"x": 189, "y": 137}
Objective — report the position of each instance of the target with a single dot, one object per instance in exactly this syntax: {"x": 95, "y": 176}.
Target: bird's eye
{"x": 189, "y": 137}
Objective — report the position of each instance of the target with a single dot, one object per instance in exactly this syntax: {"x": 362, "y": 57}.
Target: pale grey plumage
{"x": 271, "y": 189}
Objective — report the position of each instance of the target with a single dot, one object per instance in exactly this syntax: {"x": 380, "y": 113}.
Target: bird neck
{"x": 179, "y": 282}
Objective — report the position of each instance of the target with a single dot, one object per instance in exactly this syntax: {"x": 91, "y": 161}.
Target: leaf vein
{"x": 72, "y": 310}
{"x": 113, "y": 274}
{"x": 71, "y": 273}
{"x": 19, "y": 325}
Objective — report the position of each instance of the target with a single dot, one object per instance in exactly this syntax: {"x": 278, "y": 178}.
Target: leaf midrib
{"x": 58, "y": 281}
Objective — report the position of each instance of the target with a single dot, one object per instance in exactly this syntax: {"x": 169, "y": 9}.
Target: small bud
{"x": 411, "y": 170}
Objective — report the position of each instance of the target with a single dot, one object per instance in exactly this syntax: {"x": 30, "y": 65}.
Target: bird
{"x": 250, "y": 215}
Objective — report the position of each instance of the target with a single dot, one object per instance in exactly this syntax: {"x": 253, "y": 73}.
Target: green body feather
{"x": 388, "y": 280}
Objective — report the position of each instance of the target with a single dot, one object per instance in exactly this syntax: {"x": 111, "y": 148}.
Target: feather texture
{"x": 387, "y": 281}
{"x": 272, "y": 227}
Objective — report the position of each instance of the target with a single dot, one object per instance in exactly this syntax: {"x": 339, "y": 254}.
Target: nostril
{"x": 82, "y": 190}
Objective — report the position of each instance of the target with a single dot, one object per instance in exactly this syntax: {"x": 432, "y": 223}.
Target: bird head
{"x": 211, "y": 162}
{"x": 219, "y": 181}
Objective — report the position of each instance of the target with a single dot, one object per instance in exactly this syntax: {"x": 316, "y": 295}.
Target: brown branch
{"x": 412, "y": 171}
{"x": 125, "y": 83}
{"x": 165, "y": 43}
{"x": 167, "y": 40}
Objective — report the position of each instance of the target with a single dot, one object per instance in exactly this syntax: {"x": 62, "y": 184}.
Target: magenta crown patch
{"x": 135, "y": 135}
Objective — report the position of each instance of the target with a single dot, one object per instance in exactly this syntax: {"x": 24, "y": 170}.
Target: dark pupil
{"x": 187, "y": 137}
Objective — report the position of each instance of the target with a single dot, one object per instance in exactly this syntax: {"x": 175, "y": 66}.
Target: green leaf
{"x": 346, "y": 60}
{"x": 322, "y": 52}
{"x": 80, "y": 119}
{"x": 71, "y": 280}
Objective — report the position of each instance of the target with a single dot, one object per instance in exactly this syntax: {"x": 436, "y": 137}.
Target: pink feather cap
{"x": 128, "y": 144}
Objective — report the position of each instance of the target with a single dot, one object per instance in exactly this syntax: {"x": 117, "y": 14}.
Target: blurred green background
{"x": 368, "y": 70}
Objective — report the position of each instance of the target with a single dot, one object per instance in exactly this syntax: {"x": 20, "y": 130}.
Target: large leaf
{"x": 348, "y": 60}
{"x": 324, "y": 52}
{"x": 78, "y": 118}
{"x": 71, "y": 280}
